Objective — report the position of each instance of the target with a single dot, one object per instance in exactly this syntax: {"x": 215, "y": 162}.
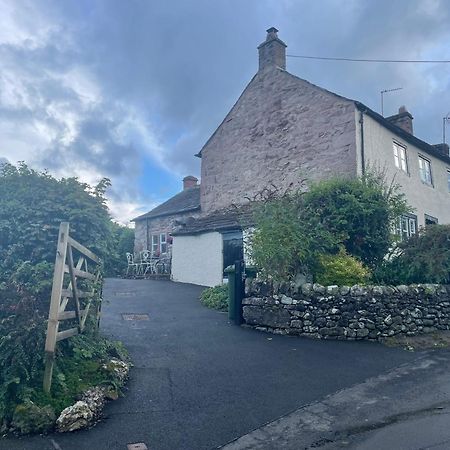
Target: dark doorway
{"x": 233, "y": 247}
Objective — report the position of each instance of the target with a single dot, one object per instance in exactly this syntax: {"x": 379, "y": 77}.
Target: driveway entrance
{"x": 198, "y": 381}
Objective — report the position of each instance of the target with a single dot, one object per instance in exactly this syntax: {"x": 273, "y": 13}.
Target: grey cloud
{"x": 181, "y": 65}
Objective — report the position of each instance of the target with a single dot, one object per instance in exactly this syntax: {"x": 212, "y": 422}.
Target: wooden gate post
{"x": 52, "y": 326}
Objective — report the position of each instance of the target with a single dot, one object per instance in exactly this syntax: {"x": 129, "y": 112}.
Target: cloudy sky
{"x": 130, "y": 90}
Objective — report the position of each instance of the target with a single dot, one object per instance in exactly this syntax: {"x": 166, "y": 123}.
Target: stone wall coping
{"x": 291, "y": 289}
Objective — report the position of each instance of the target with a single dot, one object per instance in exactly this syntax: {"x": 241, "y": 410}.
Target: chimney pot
{"x": 189, "y": 182}
{"x": 272, "y": 52}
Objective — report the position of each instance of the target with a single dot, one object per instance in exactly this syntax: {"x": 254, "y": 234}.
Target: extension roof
{"x": 185, "y": 201}
{"x": 222, "y": 221}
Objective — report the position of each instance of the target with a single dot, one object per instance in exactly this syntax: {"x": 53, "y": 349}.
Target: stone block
{"x": 296, "y": 323}
{"x": 285, "y": 300}
{"x": 318, "y": 288}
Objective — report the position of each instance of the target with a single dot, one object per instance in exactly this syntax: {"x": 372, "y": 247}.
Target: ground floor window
{"x": 406, "y": 226}
{"x": 155, "y": 244}
{"x": 430, "y": 220}
{"x": 159, "y": 244}
{"x": 163, "y": 243}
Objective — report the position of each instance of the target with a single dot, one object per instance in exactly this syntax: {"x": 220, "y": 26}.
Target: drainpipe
{"x": 361, "y": 126}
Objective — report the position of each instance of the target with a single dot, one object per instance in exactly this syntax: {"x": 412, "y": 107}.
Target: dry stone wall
{"x": 346, "y": 313}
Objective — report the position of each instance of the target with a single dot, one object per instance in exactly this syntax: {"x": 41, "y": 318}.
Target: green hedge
{"x": 32, "y": 205}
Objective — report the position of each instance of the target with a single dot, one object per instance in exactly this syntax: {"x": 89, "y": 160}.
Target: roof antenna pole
{"x": 445, "y": 121}
{"x": 382, "y": 94}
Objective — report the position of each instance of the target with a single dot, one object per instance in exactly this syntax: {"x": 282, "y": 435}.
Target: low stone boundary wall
{"x": 347, "y": 313}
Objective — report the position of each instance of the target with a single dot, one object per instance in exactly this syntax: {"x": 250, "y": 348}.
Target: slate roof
{"x": 428, "y": 148}
{"x": 224, "y": 220}
{"x": 185, "y": 201}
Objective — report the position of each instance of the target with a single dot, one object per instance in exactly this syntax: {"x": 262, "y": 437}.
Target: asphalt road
{"x": 199, "y": 382}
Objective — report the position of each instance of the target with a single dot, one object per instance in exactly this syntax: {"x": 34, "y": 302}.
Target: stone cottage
{"x": 283, "y": 129}
{"x": 153, "y": 230}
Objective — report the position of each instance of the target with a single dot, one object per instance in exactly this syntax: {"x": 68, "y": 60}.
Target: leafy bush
{"x": 293, "y": 230}
{"x": 215, "y": 297}
{"x": 31, "y": 418}
{"x": 341, "y": 269}
{"x": 32, "y": 205}
{"x": 423, "y": 258}
{"x": 359, "y": 212}
{"x": 286, "y": 240}
{"x": 122, "y": 242}
{"x": 22, "y": 336}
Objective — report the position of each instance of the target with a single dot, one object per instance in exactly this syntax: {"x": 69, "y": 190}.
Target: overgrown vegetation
{"x": 423, "y": 258}
{"x": 305, "y": 232}
{"x": 215, "y": 297}
{"x": 32, "y": 205}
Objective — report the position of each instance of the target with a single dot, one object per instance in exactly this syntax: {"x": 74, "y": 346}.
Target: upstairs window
{"x": 448, "y": 180}
{"x": 425, "y": 171}
{"x": 400, "y": 157}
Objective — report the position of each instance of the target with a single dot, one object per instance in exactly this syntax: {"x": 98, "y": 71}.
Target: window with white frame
{"x": 155, "y": 244}
{"x": 406, "y": 226}
{"x": 163, "y": 243}
{"x": 430, "y": 220}
{"x": 425, "y": 171}
{"x": 448, "y": 180}
{"x": 400, "y": 157}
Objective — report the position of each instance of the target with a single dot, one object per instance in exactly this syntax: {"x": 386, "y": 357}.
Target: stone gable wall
{"x": 281, "y": 130}
{"x": 346, "y": 313}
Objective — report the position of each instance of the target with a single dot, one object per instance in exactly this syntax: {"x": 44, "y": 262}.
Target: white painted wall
{"x": 432, "y": 200}
{"x": 198, "y": 259}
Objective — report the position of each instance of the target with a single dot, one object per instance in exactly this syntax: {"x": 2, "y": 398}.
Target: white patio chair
{"x": 146, "y": 263}
{"x": 131, "y": 264}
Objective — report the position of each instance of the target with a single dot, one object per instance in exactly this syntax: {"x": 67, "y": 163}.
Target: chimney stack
{"x": 442, "y": 148}
{"x": 403, "y": 120}
{"x": 189, "y": 182}
{"x": 272, "y": 52}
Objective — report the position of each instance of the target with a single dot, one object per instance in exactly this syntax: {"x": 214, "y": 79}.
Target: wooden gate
{"x": 62, "y": 296}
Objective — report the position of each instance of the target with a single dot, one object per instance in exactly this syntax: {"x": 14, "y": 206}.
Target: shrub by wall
{"x": 215, "y": 297}
{"x": 346, "y": 313}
